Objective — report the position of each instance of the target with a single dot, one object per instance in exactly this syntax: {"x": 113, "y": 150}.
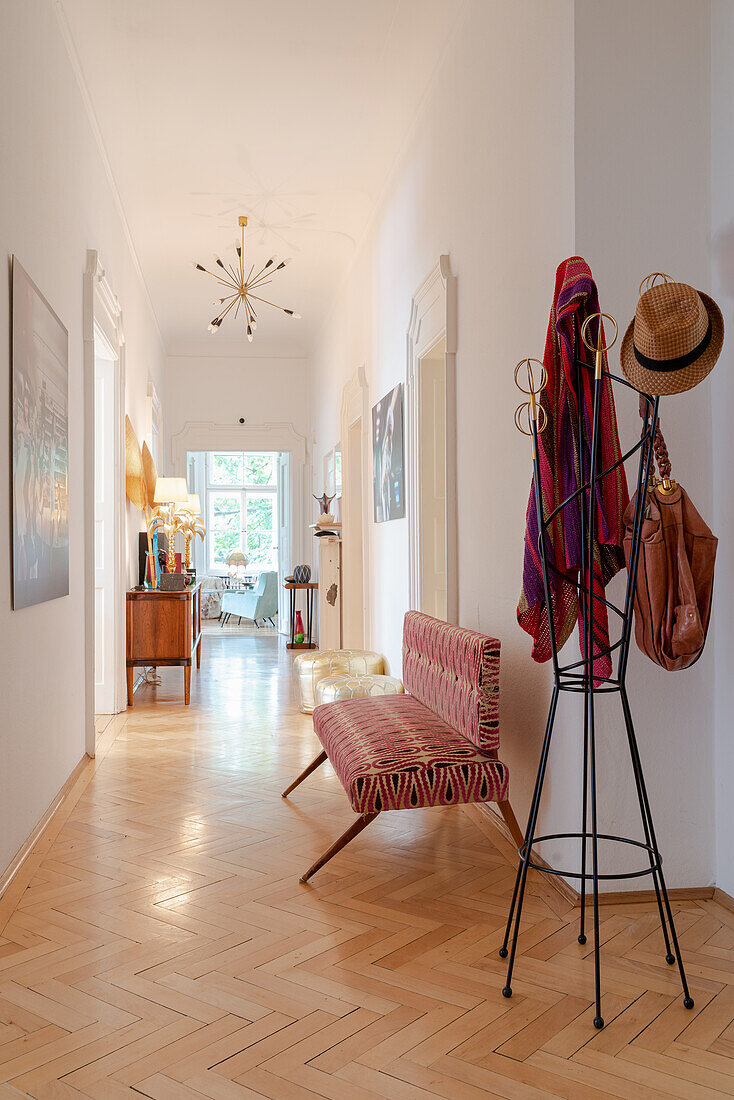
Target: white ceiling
{"x": 288, "y": 111}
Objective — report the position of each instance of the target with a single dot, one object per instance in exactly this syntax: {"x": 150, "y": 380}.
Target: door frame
{"x": 207, "y": 435}
{"x": 355, "y": 406}
{"x": 102, "y": 320}
{"x": 104, "y": 441}
{"x": 432, "y": 318}
{"x": 284, "y": 502}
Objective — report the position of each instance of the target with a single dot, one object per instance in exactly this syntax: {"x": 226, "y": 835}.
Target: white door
{"x": 104, "y": 536}
{"x": 353, "y": 610}
{"x": 285, "y": 565}
{"x": 330, "y": 599}
{"x": 432, "y": 459}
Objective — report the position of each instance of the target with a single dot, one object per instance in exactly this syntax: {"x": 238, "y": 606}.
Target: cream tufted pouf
{"x": 315, "y": 665}
{"x": 333, "y": 688}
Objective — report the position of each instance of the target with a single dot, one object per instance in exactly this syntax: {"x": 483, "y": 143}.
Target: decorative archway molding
{"x": 432, "y": 318}
{"x": 207, "y": 435}
{"x": 102, "y": 323}
{"x": 276, "y": 435}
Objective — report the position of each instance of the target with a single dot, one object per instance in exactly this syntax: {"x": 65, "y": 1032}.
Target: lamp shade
{"x": 168, "y": 489}
{"x": 237, "y": 558}
{"x": 194, "y": 504}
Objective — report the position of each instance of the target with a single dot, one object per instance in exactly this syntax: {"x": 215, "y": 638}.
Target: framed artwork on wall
{"x": 40, "y": 431}
{"x": 388, "y": 467}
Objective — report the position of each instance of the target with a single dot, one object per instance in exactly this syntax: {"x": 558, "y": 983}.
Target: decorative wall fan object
{"x": 139, "y": 470}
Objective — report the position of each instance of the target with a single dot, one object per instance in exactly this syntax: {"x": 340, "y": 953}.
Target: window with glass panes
{"x": 242, "y": 512}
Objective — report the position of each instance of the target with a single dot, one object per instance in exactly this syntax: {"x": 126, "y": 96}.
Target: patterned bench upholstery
{"x": 434, "y": 746}
{"x": 392, "y": 753}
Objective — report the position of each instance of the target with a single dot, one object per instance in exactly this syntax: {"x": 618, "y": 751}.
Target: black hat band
{"x": 662, "y": 366}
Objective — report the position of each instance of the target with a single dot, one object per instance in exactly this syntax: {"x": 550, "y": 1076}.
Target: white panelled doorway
{"x": 431, "y": 425}
{"x": 354, "y": 417}
{"x": 432, "y": 446}
{"x": 245, "y": 555}
{"x": 105, "y": 573}
{"x": 105, "y": 528}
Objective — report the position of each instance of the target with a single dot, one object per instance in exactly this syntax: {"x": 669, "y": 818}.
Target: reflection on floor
{"x": 158, "y": 942}
{"x": 214, "y": 626}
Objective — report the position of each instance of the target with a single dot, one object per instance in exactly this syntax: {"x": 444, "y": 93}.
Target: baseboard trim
{"x": 555, "y": 881}
{"x": 7, "y": 876}
{"x": 635, "y": 897}
{"x": 724, "y": 899}
{"x": 611, "y": 897}
{"x": 14, "y": 878}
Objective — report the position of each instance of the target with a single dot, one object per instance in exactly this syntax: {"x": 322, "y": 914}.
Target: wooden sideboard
{"x": 163, "y": 628}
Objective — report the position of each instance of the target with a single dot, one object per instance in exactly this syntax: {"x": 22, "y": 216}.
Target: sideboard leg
{"x": 187, "y": 684}
{"x": 130, "y": 682}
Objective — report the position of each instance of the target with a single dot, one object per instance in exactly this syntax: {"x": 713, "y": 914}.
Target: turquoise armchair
{"x": 259, "y": 604}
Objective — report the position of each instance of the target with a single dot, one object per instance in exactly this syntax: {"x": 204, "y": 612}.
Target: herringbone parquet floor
{"x": 160, "y": 945}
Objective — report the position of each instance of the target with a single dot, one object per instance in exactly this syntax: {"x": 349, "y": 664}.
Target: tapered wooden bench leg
{"x": 511, "y": 821}
{"x": 305, "y": 773}
{"x": 354, "y": 830}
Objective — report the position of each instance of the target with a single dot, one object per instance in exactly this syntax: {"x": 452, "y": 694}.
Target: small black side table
{"x": 310, "y": 590}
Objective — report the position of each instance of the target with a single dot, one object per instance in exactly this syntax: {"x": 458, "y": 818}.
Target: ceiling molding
{"x": 73, "y": 56}
{"x": 183, "y": 188}
{"x": 409, "y": 135}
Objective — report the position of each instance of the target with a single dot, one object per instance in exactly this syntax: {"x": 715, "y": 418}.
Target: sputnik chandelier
{"x": 241, "y": 289}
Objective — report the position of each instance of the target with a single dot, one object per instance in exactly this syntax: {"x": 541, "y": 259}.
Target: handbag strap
{"x": 660, "y": 453}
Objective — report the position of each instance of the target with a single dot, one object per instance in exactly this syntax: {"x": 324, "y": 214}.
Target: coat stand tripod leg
{"x": 525, "y": 851}
{"x": 650, "y": 830}
{"x": 584, "y": 820}
{"x": 589, "y": 685}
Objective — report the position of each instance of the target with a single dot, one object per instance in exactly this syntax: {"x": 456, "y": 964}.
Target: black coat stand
{"x": 579, "y": 677}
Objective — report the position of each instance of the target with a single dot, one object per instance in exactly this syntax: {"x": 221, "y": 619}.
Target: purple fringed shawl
{"x": 564, "y": 461}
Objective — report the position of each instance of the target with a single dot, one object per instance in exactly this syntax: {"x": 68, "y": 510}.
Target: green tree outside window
{"x": 226, "y": 525}
{"x": 259, "y": 469}
{"x": 226, "y": 469}
{"x": 260, "y": 533}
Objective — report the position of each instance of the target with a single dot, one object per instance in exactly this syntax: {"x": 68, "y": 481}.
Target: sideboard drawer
{"x": 161, "y": 629}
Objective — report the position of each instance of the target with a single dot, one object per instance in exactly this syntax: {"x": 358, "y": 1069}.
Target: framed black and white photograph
{"x": 388, "y": 464}
{"x": 40, "y": 398}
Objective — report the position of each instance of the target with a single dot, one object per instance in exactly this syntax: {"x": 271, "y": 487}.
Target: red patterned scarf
{"x": 565, "y": 460}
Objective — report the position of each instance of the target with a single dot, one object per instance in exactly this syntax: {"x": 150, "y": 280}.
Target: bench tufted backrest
{"x": 456, "y": 674}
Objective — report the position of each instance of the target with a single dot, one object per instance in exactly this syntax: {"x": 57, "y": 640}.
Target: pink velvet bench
{"x": 434, "y": 746}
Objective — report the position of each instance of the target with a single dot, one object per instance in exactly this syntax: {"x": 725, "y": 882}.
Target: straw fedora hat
{"x": 674, "y": 339}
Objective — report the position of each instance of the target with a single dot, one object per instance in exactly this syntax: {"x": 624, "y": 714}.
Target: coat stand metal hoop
{"x": 578, "y": 677}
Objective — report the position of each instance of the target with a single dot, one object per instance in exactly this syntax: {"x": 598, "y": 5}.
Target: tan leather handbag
{"x": 675, "y": 575}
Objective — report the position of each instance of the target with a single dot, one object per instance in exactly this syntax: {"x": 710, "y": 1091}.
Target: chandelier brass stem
{"x": 241, "y": 287}
{"x": 273, "y": 304}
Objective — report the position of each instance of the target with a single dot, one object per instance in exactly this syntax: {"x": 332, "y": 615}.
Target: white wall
{"x": 512, "y": 166}
{"x": 55, "y": 203}
{"x": 223, "y": 389}
{"x": 550, "y": 127}
{"x": 642, "y": 205}
{"x": 722, "y": 391}
{"x": 271, "y": 394}
{"x": 486, "y": 176}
